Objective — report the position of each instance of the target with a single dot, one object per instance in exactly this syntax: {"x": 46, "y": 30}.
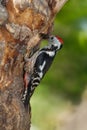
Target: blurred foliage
{"x": 67, "y": 76}
{"x": 68, "y": 73}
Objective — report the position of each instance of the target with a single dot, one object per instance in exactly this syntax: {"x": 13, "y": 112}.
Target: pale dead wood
{"x": 59, "y": 5}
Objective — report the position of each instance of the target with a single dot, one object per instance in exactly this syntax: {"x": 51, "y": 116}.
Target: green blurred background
{"x": 66, "y": 80}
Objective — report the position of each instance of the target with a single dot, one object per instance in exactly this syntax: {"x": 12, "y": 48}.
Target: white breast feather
{"x": 51, "y": 53}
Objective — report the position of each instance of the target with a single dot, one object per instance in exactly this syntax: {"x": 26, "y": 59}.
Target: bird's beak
{"x": 44, "y": 36}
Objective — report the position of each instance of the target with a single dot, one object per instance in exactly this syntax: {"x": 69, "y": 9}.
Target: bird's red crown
{"x": 60, "y": 39}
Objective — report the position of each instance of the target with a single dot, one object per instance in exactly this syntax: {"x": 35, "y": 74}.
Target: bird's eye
{"x": 52, "y": 38}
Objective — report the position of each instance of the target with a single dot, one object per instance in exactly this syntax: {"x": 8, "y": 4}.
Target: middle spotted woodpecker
{"x": 43, "y": 62}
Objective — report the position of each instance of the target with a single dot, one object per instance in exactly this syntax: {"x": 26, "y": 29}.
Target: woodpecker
{"x": 43, "y": 62}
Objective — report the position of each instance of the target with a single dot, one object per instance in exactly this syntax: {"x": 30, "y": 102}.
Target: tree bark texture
{"x": 21, "y": 22}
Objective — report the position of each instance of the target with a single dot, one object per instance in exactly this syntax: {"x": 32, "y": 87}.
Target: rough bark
{"x": 21, "y": 22}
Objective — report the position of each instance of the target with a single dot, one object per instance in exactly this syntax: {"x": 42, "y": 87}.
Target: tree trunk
{"x": 21, "y": 22}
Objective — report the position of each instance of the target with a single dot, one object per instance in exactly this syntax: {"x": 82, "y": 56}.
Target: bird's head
{"x": 56, "y": 42}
